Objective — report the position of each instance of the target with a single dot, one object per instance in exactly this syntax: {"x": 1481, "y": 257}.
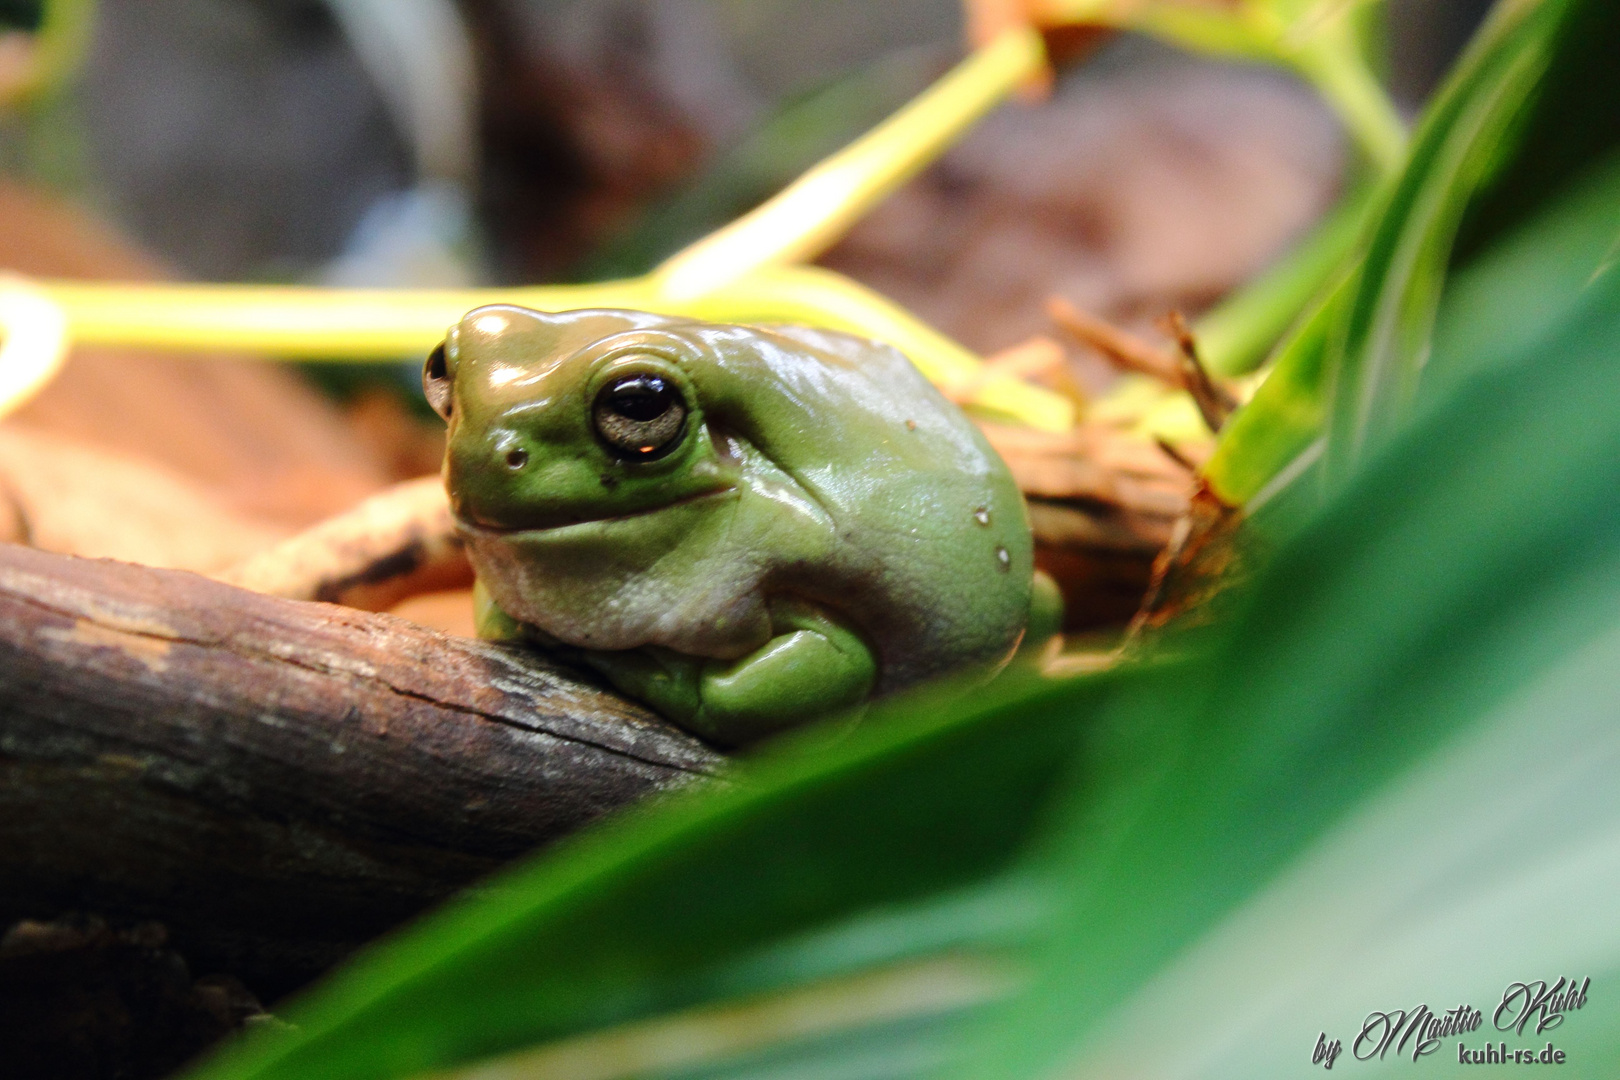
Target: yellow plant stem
{"x": 386, "y": 324}
{"x": 1344, "y": 80}
{"x": 297, "y": 322}
{"x": 810, "y": 214}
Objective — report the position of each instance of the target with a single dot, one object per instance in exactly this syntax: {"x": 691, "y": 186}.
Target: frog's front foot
{"x": 811, "y": 666}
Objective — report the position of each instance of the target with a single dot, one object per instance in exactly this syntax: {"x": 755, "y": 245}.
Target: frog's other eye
{"x": 640, "y": 416}
{"x": 436, "y": 381}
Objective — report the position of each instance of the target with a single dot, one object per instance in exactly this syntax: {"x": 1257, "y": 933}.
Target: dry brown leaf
{"x": 61, "y": 496}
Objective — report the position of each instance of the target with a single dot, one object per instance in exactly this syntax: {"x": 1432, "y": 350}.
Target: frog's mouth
{"x": 553, "y": 525}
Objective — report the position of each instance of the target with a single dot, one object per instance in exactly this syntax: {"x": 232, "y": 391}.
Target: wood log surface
{"x": 279, "y": 781}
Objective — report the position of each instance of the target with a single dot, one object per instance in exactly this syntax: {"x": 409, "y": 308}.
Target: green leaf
{"x": 1573, "y": 124}
{"x": 1352, "y": 371}
{"x": 1526, "y": 284}
{"x": 1274, "y": 439}
{"x": 1385, "y": 339}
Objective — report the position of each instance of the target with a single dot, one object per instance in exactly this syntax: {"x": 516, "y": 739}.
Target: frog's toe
{"x": 1045, "y": 616}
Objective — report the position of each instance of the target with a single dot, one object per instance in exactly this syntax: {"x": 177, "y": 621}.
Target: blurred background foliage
{"x": 251, "y": 140}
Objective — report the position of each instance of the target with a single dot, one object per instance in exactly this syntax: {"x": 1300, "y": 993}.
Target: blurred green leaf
{"x": 1351, "y": 372}
{"x": 1525, "y": 285}
{"x": 1274, "y": 439}
{"x": 1573, "y": 124}
{"x": 1377, "y": 357}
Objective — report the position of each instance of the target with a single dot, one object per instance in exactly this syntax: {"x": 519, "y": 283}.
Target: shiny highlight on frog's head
{"x": 560, "y": 418}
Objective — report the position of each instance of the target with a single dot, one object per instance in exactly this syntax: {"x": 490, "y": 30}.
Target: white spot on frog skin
{"x": 1003, "y": 560}
{"x": 506, "y": 372}
{"x": 982, "y": 515}
{"x": 490, "y": 324}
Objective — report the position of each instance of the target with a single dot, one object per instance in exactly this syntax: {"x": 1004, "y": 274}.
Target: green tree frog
{"x": 742, "y": 526}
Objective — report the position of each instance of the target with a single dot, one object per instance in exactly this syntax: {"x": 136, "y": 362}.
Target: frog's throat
{"x": 588, "y": 524}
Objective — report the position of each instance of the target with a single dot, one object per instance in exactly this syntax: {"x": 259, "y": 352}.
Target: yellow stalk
{"x": 299, "y": 322}
{"x": 810, "y": 214}
{"x": 1343, "y": 79}
{"x": 385, "y": 324}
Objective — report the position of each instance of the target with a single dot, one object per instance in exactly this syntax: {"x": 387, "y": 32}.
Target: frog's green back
{"x": 936, "y": 559}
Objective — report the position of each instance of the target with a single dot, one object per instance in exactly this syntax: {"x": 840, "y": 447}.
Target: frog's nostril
{"x": 516, "y": 459}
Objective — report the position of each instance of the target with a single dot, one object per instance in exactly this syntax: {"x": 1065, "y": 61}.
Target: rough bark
{"x": 279, "y": 781}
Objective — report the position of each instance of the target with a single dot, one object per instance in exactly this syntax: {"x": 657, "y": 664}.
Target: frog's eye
{"x": 436, "y": 381}
{"x": 640, "y": 416}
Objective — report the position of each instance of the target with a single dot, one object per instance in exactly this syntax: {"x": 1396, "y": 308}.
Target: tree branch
{"x": 280, "y": 781}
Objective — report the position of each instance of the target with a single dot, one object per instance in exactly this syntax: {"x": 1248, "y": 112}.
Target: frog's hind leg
{"x": 812, "y": 666}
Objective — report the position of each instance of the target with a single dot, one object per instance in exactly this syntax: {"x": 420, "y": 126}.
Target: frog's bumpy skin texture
{"x": 811, "y": 465}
